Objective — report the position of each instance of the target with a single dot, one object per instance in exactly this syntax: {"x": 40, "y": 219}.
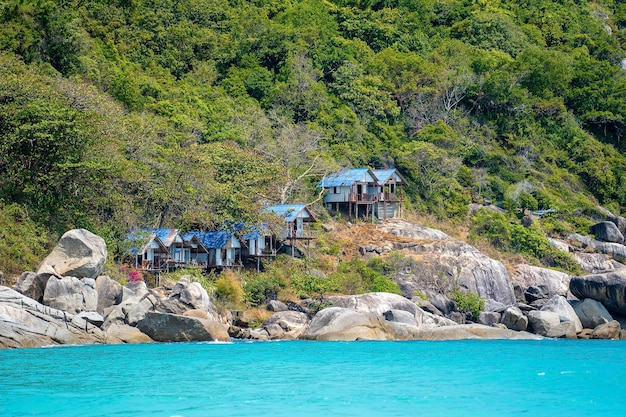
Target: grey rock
{"x": 275, "y": 305}
{"x": 337, "y": 323}
{"x": 135, "y": 289}
{"x": 563, "y": 329}
{"x": 70, "y": 294}
{"x": 286, "y": 325}
{"x": 400, "y": 316}
{"x": 32, "y": 285}
{"x": 426, "y": 306}
{"x": 559, "y": 305}
{"x": 549, "y": 281}
{"x": 469, "y": 331}
{"x": 607, "y": 232}
{"x": 616, "y": 250}
{"x": 192, "y": 294}
{"x": 457, "y": 317}
{"x": 128, "y": 334}
{"x": 79, "y": 253}
{"x": 164, "y": 327}
{"x": 608, "y": 288}
{"x": 440, "y": 301}
{"x": 591, "y": 313}
{"x": 596, "y": 263}
{"x": 542, "y": 321}
{"x": 560, "y": 245}
{"x": 533, "y": 294}
{"x": 131, "y": 310}
{"x": 611, "y": 330}
{"x": 109, "y": 293}
{"x": 26, "y": 323}
{"x": 92, "y": 317}
{"x": 489, "y": 318}
{"x": 514, "y": 319}
{"x": 403, "y": 228}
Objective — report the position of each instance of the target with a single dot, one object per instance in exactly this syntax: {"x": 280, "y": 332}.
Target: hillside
{"x": 115, "y": 115}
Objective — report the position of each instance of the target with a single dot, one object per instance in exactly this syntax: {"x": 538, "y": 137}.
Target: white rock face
{"x": 79, "y": 253}
{"x": 71, "y": 294}
{"x": 559, "y": 305}
{"x": 551, "y": 282}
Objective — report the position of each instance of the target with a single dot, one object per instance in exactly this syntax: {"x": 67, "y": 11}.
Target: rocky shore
{"x": 68, "y": 301}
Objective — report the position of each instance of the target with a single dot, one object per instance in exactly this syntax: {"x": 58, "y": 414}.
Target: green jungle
{"x": 120, "y": 114}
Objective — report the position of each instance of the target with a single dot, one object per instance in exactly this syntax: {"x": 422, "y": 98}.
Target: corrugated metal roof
{"x": 346, "y": 178}
{"x": 289, "y": 212}
{"x": 211, "y": 240}
{"x": 167, "y": 236}
{"x": 140, "y": 241}
{"x": 384, "y": 175}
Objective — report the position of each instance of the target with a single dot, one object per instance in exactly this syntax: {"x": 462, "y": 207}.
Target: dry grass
{"x": 256, "y": 316}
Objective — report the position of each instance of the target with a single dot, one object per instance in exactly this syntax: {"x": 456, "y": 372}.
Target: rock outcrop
{"x": 591, "y": 313}
{"x": 286, "y": 325}
{"x": 607, "y": 232}
{"x": 616, "y": 250}
{"x": 596, "y": 263}
{"x": 559, "y": 305}
{"x": 110, "y": 293}
{"x": 32, "y": 285}
{"x": 337, "y": 323}
{"x": 71, "y": 294}
{"x": 26, "y": 323}
{"x": 164, "y": 327}
{"x": 79, "y": 253}
{"x": 549, "y": 281}
{"x": 608, "y": 288}
{"x": 514, "y": 319}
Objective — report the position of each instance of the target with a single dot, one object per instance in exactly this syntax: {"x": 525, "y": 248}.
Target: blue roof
{"x": 164, "y": 234}
{"x": 344, "y": 178}
{"x": 211, "y": 240}
{"x": 139, "y": 239}
{"x": 289, "y": 212}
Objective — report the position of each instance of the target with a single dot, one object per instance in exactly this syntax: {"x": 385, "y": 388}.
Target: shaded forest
{"x": 190, "y": 113}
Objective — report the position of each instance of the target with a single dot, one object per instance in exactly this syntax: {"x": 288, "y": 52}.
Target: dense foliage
{"x": 117, "y": 114}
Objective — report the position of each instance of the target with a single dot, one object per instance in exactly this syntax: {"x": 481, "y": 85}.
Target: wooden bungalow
{"x": 389, "y": 201}
{"x": 223, "y": 249}
{"x": 364, "y": 193}
{"x": 351, "y": 191}
{"x": 148, "y": 251}
{"x": 297, "y": 224}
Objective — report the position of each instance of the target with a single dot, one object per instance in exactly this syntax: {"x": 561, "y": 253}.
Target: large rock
{"x": 380, "y": 302}
{"x": 127, "y": 334}
{"x": 616, "y": 250}
{"x": 543, "y": 321}
{"x": 591, "y": 313}
{"x": 26, "y": 323}
{"x": 337, "y": 323}
{"x": 611, "y": 330}
{"x": 109, "y": 293}
{"x": 188, "y": 296}
{"x": 71, "y": 294}
{"x": 549, "y": 281}
{"x": 131, "y": 310}
{"x": 470, "y": 331}
{"x": 79, "y": 253}
{"x": 32, "y": 285}
{"x": 559, "y": 305}
{"x": 607, "y": 232}
{"x": 608, "y": 288}
{"x": 286, "y": 325}
{"x": 514, "y": 319}
{"x": 164, "y": 327}
{"x": 596, "y": 263}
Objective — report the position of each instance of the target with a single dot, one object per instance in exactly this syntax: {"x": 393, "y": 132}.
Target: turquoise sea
{"x": 297, "y": 378}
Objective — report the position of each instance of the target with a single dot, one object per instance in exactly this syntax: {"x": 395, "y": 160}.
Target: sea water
{"x": 418, "y": 378}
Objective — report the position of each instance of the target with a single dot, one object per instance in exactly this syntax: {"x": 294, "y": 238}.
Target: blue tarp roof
{"x": 289, "y": 212}
{"x": 211, "y": 240}
{"x": 344, "y": 178}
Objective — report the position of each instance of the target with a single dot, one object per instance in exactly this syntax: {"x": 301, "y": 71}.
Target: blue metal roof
{"x": 289, "y": 212}
{"x": 166, "y": 235}
{"x": 384, "y": 174}
{"x": 345, "y": 178}
{"x": 211, "y": 240}
{"x": 140, "y": 239}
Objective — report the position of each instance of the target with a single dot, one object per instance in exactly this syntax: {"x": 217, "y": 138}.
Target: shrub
{"x": 228, "y": 289}
{"x": 468, "y": 303}
{"x": 262, "y": 288}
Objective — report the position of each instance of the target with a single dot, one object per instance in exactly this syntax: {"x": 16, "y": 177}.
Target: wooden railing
{"x": 358, "y": 198}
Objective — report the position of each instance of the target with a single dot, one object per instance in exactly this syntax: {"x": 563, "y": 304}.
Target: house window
{"x": 336, "y": 190}
{"x": 392, "y": 188}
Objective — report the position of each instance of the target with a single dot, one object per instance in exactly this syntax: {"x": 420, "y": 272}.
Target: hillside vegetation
{"x": 189, "y": 113}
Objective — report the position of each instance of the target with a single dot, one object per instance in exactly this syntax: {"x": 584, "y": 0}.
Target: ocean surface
{"x": 418, "y": 378}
